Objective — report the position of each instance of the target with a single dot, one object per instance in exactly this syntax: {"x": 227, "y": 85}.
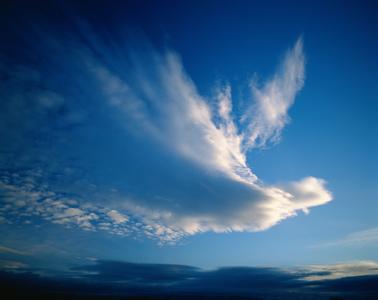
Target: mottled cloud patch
{"x": 40, "y": 203}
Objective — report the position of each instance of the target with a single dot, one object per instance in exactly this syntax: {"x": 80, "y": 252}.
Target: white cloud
{"x": 117, "y": 217}
{"x": 265, "y": 207}
{"x": 185, "y": 123}
{"x": 340, "y": 270}
{"x": 269, "y": 113}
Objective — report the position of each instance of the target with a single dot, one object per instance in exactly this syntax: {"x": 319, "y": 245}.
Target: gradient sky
{"x": 206, "y": 134}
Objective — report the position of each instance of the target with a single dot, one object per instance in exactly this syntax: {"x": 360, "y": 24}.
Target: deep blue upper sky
{"x": 205, "y": 134}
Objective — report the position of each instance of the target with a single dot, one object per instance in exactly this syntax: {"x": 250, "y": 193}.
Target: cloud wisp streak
{"x": 355, "y": 239}
{"x": 269, "y": 113}
{"x": 132, "y": 141}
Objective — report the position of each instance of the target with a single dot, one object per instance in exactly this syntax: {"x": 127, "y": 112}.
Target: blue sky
{"x": 206, "y": 134}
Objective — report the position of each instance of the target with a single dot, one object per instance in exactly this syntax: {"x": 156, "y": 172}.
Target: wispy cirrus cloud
{"x": 358, "y": 238}
{"x": 269, "y": 112}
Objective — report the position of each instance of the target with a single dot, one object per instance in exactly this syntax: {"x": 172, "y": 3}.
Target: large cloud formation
{"x": 187, "y": 124}
{"x": 124, "y": 135}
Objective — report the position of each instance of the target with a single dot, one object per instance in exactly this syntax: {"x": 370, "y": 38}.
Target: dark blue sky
{"x": 180, "y": 132}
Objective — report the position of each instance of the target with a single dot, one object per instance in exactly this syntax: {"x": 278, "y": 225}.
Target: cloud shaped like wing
{"x": 185, "y": 123}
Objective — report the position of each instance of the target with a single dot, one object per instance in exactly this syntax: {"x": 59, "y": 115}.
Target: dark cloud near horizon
{"x": 115, "y": 279}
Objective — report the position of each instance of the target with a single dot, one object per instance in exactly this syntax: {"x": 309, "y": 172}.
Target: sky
{"x": 167, "y": 140}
